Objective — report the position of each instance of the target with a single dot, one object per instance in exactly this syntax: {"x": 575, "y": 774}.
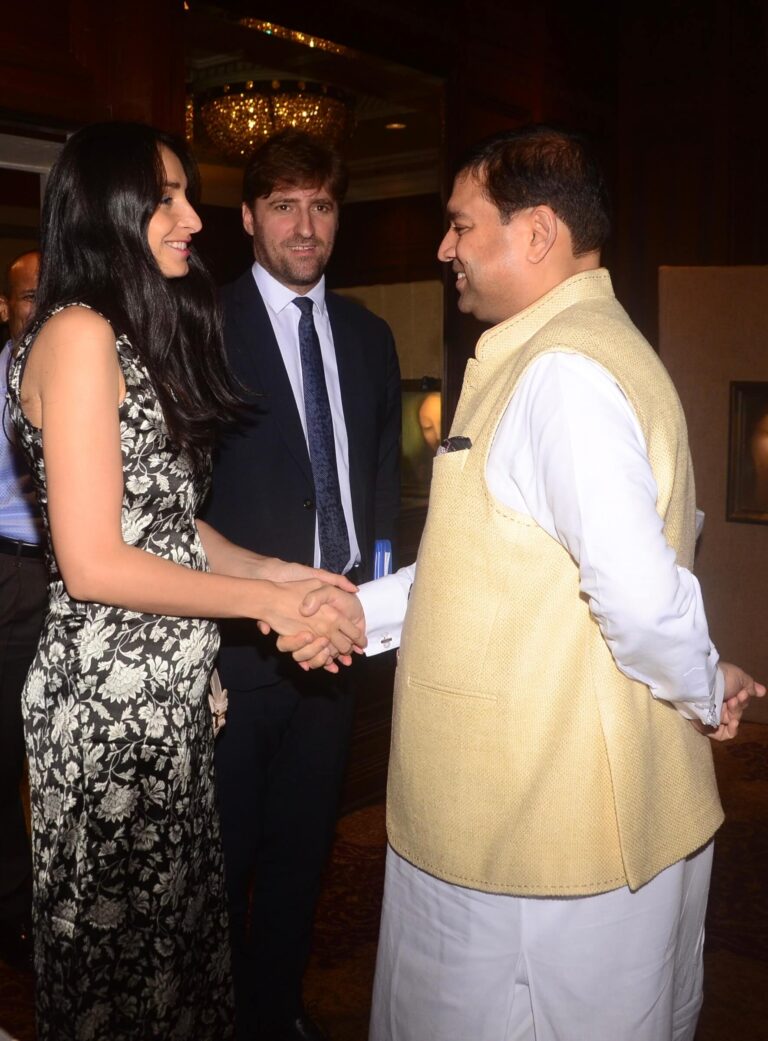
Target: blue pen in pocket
{"x": 382, "y": 558}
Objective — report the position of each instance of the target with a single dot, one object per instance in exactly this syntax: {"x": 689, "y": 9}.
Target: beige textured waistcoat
{"x": 522, "y": 760}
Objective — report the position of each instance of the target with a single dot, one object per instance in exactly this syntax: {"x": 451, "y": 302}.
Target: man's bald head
{"x": 19, "y": 289}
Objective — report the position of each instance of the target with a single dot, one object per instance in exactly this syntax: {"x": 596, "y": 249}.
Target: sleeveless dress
{"x": 129, "y": 907}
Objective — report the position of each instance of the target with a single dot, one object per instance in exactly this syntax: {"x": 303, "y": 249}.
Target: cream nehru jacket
{"x": 523, "y": 761}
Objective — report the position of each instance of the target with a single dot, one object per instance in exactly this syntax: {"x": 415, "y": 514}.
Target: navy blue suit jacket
{"x": 262, "y": 495}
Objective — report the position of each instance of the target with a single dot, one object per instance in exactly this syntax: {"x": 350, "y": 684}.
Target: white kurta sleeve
{"x": 385, "y": 602}
{"x": 569, "y": 452}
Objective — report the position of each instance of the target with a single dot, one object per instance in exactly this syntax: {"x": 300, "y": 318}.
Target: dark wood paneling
{"x": 223, "y": 244}
{"x": 391, "y": 240}
{"x": 420, "y": 35}
{"x": 690, "y": 146}
{"x": 19, "y": 188}
{"x": 78, "y": 61}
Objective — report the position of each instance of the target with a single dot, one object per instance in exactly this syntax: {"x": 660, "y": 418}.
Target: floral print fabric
{"x": 129, "y": 910}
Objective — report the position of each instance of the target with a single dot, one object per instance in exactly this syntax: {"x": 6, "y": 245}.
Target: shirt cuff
{"x": 711, "y": 710}
{"x": 385, "y": 602}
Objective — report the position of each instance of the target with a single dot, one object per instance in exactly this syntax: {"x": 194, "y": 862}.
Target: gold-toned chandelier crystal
{"x": 283, "y": 33}
{"x": 238, "y": 116}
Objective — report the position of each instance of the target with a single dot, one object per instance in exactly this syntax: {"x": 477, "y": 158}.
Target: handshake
{"x": 319, "y": 620}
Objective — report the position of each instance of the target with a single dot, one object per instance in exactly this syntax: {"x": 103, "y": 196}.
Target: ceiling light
{"x": 315, "y": 42}
{"x": 238, "y": 116}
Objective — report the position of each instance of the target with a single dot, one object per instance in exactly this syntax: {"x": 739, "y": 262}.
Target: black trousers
{"x": 279, "y": 766}
{"x": 23, "y": 600}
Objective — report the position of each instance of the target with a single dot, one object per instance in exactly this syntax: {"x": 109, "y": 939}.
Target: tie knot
{"x": 304, "y": 304}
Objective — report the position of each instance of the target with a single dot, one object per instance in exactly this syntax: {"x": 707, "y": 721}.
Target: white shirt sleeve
{"x": 570, "y": 453}
{"x": 385, "y": 602}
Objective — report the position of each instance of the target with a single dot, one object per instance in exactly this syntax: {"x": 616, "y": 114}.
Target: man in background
{"x": 23, "y": 598}
{"x": 311, "y": 476}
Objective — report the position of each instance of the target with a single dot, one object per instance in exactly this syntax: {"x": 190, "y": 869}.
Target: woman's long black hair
{"x": 101, "y": 194}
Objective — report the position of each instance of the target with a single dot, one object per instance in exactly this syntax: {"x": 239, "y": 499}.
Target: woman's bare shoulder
{"x": 75, "y": 322}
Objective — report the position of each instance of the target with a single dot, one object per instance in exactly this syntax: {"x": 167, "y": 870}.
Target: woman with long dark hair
{"x": 118, "y": 392}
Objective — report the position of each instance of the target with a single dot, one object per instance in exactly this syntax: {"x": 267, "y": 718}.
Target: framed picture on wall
{"x": 748, "y": 453}
{"x": 421, "y": 436}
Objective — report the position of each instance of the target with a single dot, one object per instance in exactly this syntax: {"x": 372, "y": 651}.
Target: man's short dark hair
{"x": 538, "y": 165}
{"x": 296, "y": 159}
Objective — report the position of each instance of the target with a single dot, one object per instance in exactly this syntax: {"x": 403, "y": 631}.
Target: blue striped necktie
{"x": 332, "y": 527}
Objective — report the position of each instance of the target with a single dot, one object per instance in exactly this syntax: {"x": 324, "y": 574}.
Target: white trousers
{"x": 456, "y": 964}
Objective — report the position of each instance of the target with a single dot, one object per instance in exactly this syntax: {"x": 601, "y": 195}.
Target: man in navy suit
{"x": 312, "y": 476}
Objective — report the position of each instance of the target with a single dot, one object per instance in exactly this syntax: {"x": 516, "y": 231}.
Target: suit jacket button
{"x": 309, "y": 504}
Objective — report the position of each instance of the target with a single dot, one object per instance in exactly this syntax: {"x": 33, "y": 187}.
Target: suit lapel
{"x": 263, "y": 362}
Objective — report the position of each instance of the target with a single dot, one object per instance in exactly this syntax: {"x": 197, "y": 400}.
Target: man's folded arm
{"x": 570, "y": 452}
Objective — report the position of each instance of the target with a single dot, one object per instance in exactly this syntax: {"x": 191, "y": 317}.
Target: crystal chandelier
{"x": 238, "y": 116}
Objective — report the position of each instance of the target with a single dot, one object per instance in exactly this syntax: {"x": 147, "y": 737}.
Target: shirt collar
{"x": 277, "y": 296}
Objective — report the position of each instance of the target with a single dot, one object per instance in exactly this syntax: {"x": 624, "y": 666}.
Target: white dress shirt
{"x": 569, "y": 452}
{"x": 284, "y": 316}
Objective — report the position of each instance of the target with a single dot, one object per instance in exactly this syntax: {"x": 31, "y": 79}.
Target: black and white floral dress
{"x": 129, "y": 909}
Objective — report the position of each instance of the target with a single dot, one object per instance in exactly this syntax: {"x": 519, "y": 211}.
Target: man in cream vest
{"x": 551, "y": 799}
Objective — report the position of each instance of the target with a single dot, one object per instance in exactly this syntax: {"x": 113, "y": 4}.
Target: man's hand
{"x": 313, "y": 647}
{"x": 338, "y": 619}
{"x": 739, "y": 688}
{"x": 313, "y": 653}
